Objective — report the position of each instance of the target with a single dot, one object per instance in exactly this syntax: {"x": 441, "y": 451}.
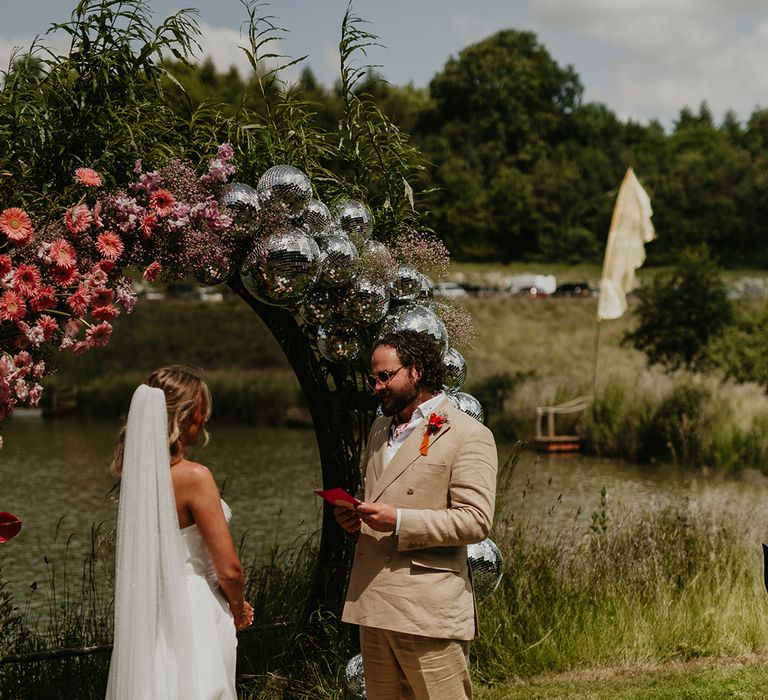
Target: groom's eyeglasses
{"x": 384, "y": 377}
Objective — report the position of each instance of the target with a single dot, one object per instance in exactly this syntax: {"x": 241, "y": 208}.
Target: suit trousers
{"x": 400, "y": 666}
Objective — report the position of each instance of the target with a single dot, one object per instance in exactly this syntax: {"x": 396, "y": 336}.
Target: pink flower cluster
{"x": 61, "y": 286}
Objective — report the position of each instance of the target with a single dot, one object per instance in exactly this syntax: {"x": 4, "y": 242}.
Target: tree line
{"x": 517, "y": 166}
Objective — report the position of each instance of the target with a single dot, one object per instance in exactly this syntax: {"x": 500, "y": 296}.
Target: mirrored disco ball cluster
{"x": 355, "y": 677}
{"x": 314, "y": 268}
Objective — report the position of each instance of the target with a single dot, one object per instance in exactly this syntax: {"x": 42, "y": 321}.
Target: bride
{"x": 179, "y": 583}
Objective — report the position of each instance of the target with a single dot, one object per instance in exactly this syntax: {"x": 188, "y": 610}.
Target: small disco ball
{"x": 316, "y": 218}
{"x": 355, "y": 677}
{"x": 484, "y": 559}
{"x": 214, "y": 271}
{"x": 467, "y": 403}
{"x": 339, "y": 258}
{"x": 407, "y": 283}
{"x": 339, "y": 343}
{"x": 286, "y": 185}
{"x": 455, "y": 369}
{"x": 353, "y": 217}
{"x": 318, "y": 307}
{"x": 282, "y": 268}
{"x": 425, "y": 291}
{"x": 415, "y": 317}
{"x": 367, "y": 302}
{"x": 238, "y": 195}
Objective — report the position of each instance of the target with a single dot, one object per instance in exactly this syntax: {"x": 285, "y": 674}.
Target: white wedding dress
{"x": 213, "y": 629}
{"x": 174, "y": 634}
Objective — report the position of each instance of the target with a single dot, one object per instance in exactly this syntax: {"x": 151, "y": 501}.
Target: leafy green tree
{"x": 680, "y": 314}
{"x": 742, "y": 349}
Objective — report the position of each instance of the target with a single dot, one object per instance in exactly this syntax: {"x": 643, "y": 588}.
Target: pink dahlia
{"x": 44, "y": 298}
{"x": 62, "y": 254}
{"x": 65, "y": 277}
{"x": 106, "y": 312}
{"x": 153, "y": 271}
{"x": 5, "y": 265}
{"x": 88, "y": 177}
{"x": 102, "y": 297}
{"x": 109, "y": 245}
{"x": 162, "y": 202}
{"x": 16, "y": 224}
{"x": 98, "y": 336}
{"x": 78, "y": 219}
{"x": 47, "y": 324}
{"x": 12, "y": 306}
{"x": 26, "y": 279}
{"x": 148, "y": 224}
{"x": 78, "y": 301}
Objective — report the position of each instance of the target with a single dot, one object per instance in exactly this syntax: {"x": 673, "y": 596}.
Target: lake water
{"x": 55, "y": 474}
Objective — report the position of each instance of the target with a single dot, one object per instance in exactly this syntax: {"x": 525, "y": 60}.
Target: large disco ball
{"x": 455, "y": 369}
{"x": 316, "y": 218}
{"x": 282, "y": 268}
{"x": 367, "y": 301}
{"x": 484, "y": 559}
{"x": 286, "y": 185}
{"x": 353, "y": 217}
{"x": 415, "y": 317}
{"x": 355, "y": 676}
{"x": 467, "y": 403}
{"x": 407, "y": 283}
{"x": 319, "y": 306}
{"x": 340, "y": 258}
{"x": 339, "y": 342}
{"x": 238, "y": 195}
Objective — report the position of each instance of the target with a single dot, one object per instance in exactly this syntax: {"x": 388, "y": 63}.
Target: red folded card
{"x": 338, "y": 497}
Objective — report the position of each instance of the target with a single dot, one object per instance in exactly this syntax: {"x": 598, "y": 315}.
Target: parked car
{"x": 449, "y": 289}
{"x": 574, "y": 289}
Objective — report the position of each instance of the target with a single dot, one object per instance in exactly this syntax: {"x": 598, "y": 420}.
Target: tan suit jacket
{"x": 418, "y": 581}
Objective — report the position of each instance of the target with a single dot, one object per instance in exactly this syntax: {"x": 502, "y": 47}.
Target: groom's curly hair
{"x": 419, "y": 350}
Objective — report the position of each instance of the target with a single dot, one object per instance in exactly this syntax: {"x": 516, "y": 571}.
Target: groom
{"x": 429, "y": 490}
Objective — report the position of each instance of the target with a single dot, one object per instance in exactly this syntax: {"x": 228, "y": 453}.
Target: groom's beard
{"x": 392, "y": 402}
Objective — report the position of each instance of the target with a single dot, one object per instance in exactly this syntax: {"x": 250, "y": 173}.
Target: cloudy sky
{"x": 643, "y": 58}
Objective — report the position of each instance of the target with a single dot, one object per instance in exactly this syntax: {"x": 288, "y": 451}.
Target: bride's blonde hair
{"x": 184, "y": 389}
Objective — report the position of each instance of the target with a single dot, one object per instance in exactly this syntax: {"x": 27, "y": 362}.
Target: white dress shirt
{"x": 399, "y": 433}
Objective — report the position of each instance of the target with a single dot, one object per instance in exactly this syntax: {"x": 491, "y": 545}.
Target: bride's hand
{"x": 243, "y": 616}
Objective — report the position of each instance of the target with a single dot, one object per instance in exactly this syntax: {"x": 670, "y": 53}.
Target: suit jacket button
{"x": 387, "y": 560}
{"x": 409, "y": 492}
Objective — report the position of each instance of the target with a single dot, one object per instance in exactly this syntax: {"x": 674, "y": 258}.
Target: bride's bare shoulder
{"x": 191, "y": 473}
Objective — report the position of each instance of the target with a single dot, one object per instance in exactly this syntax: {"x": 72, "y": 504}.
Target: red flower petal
{"x": 10, "y": 525}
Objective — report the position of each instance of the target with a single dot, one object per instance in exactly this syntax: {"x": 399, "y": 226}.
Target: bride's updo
{"x": 184, "y": 390}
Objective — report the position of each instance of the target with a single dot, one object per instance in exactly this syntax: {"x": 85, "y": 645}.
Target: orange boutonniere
{"x": 434, "y": 425}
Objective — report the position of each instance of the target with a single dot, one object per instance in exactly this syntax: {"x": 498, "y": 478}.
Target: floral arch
{"x": 325, "y": 280}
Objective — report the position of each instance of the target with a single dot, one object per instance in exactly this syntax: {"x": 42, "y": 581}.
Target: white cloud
{"x": 222, "y": 45}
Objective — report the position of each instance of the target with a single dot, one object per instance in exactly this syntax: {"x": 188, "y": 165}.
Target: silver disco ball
{"x": 286, "y": 185}
{"x": 339, "y": 260}
{"x": 282, "y": 268}
{"x": 339, "y": 342}
{"x": 455, "y": 369}
{"x": 319, "y": 306}
{"x": 484, "y": 559}
{"x": 238, "y": 195}
{"x": 353, "y": 217}
{"x": 415, "y": 317}
{"x": 371, "y": 247}
{"x": 407, "y": 283}
{"x": 425, "y": 291}
{"x": 316, "y": 218}
{"x": 467, "y": 403}
{"x": 367, "y": 302}
{"x": 355, "y": 677}
{"x": 214, "y": 271}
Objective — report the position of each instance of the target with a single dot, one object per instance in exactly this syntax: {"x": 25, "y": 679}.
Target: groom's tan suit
{"x": 417, "y": 581}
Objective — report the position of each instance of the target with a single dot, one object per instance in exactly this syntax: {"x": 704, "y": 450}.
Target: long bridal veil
{"x": 153, "y": 653}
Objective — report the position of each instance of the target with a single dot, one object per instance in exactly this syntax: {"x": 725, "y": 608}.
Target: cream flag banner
{"x": 631, "y": 229}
